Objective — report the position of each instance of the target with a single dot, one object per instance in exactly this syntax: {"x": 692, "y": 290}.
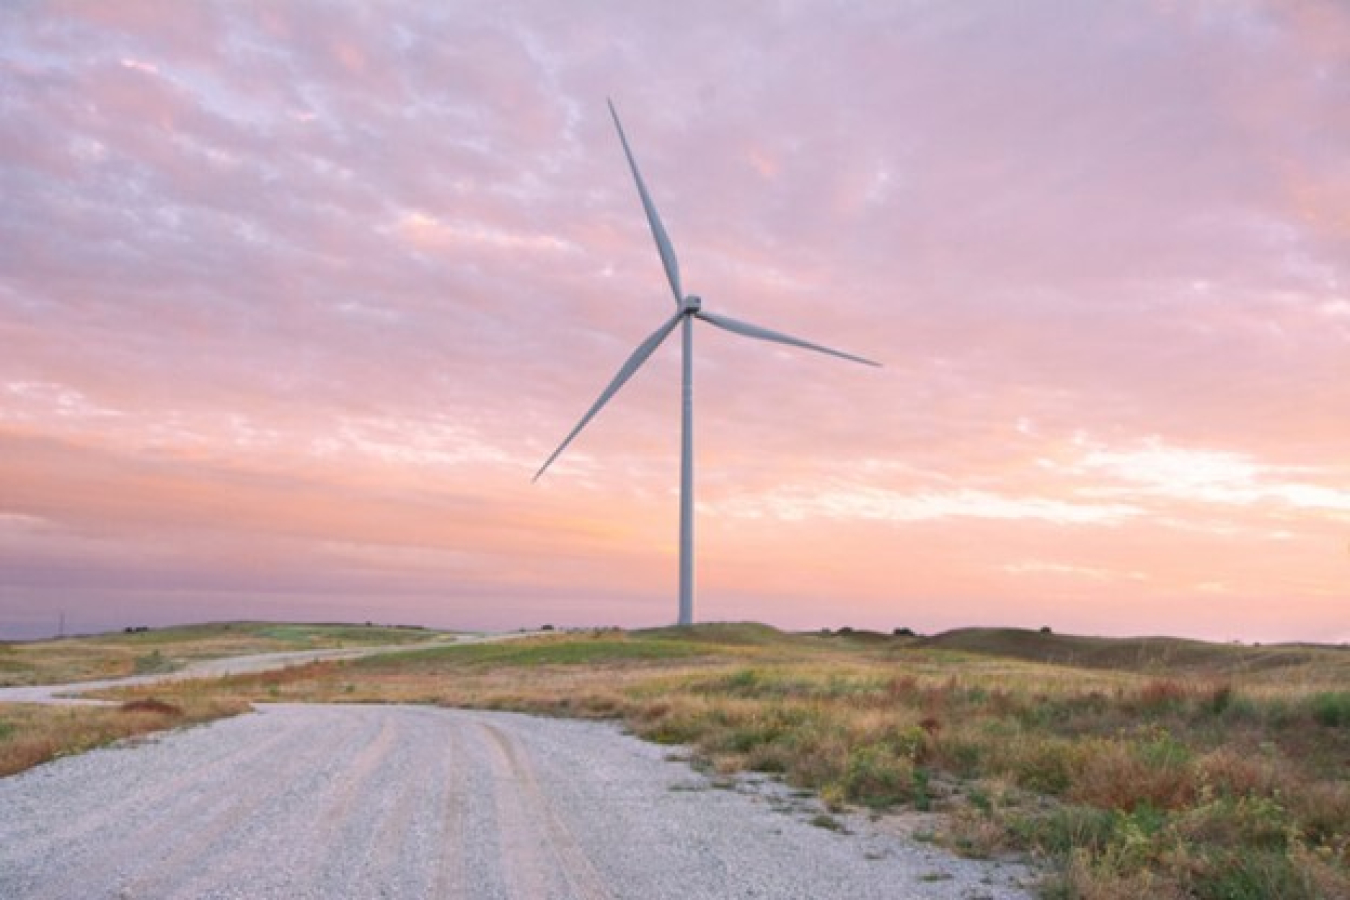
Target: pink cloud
{"x": 318, "y": 286}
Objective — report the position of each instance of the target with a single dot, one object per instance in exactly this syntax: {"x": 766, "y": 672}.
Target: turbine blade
{"x": 644, "y": 350}
{"x": 672, "y": 266}
{"x": 764, "y": 334}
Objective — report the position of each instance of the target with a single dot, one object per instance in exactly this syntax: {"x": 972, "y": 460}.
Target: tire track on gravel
{"x": 167, "y": 794}
{"x": 354, "y": 802}
{"x": 195, "y": 836}
{"x": 556, "y": 839}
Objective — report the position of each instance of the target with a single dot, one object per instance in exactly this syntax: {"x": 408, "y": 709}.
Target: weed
{"x": 877, "y": 776}
{"x": 1219, "y": 699}
{"x": 1063, "y": 830}
{"x": 1331, "y": 709}
{"x": 1046, "y": 765}
{"x": 152, "y": 663}
{"x": 922, "y": 798}
{"x": 828, "y": 822}
{"x": 1246, "y": 875}
{"x": 930, "y": 877}
{"x": 1162, "y": 694}
{"x": 151, "y": 705}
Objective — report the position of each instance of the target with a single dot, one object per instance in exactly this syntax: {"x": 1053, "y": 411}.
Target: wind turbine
{"x": 687, "y": 308}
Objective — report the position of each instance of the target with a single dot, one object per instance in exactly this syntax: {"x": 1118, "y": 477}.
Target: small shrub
{"x": 1161, "y": 694}
{"x": 877, "y": 777}
{"x": 152, "y": 663}
{"x": 1231, "y": 773}
{"x": 670, "y": 722}
{"x": 151, "y": 705}
{"x": 827, "y": 821}
{"x": 741, "y": 683}
{"x": 1064, "y": 829}
{"x": 1323, "y": 811}
{"x": 1127, "y": 775}
{"x": 772, "y": 757}
{"x": 923, "y": 798}
{"x": 1331, "y": 709}
{"x": 1235, "y": 823}
{"x": 1047, "y": 766}
{"x": 1247, "y": 875}
{"x": 902, "y": 688}
{"x": 1317, "y": 869}
{"x": 975, "y": 834}
{"x": 1218, "y": 700}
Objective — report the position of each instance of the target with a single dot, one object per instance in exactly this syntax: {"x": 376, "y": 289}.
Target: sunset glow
{"x": 296, "y": 298}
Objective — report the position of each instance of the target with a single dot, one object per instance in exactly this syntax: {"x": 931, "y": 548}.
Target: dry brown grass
{"x": 32, "y": 733}
{"x": 120, "y": 654}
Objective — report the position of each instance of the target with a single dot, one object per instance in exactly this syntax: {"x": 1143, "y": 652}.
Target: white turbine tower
{"x": 687, "y": 308}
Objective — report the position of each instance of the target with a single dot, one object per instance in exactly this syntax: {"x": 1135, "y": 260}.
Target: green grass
{"x": 609, "y": 647}
{"x": 1331, "y": 709}
{"x": 725, "y": 634}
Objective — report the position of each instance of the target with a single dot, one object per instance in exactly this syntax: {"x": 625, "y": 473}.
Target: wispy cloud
{"x": 295, "y": 298}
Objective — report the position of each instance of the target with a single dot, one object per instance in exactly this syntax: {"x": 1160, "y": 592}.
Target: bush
{"x": 877, "y": 777}
{"x": 1246, "y": 875}
{"x": 1218, "y": 700}
{"x": 1162, "y": 694}
{"x": 1332, "y": 709}
{"x": 152, "y": 663}
{"x": 1046, "y": 766}
{"x": 151, "y": 705}
{"x": 1128, "y": 775}
{"x": 1066, "y": 828}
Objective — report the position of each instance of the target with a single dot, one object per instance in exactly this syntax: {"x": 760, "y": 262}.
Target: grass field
{"x": 1131, "y": 768}
{"x": 121, "y": 654}
{"x": 32, "y": 733}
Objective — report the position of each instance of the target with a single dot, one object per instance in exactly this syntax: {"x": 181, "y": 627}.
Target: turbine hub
{"x": 692, "y": 304}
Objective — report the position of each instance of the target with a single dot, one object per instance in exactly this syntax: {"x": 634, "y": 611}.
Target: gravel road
{"x": 230, "y": 665}
{"x": 330, "y": 801}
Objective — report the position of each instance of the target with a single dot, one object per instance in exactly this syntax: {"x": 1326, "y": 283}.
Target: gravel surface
{"x": 367, "y": 801}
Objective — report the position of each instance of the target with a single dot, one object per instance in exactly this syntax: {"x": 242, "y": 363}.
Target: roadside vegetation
{"x": 142, "y": 651}
{"x": 1129, "y": 768}
{"x": 32, "y": 733}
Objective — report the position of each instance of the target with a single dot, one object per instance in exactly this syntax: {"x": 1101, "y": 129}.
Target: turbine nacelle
{"x": 687, "y": 308}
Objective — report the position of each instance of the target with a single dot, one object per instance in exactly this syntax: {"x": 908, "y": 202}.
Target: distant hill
{"x": 1133, "y": 653}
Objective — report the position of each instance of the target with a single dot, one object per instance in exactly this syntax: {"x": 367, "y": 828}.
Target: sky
{"x": 295, "y": 298}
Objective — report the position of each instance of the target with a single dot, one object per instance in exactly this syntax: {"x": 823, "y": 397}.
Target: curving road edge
{"x": 395, "y": 801}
